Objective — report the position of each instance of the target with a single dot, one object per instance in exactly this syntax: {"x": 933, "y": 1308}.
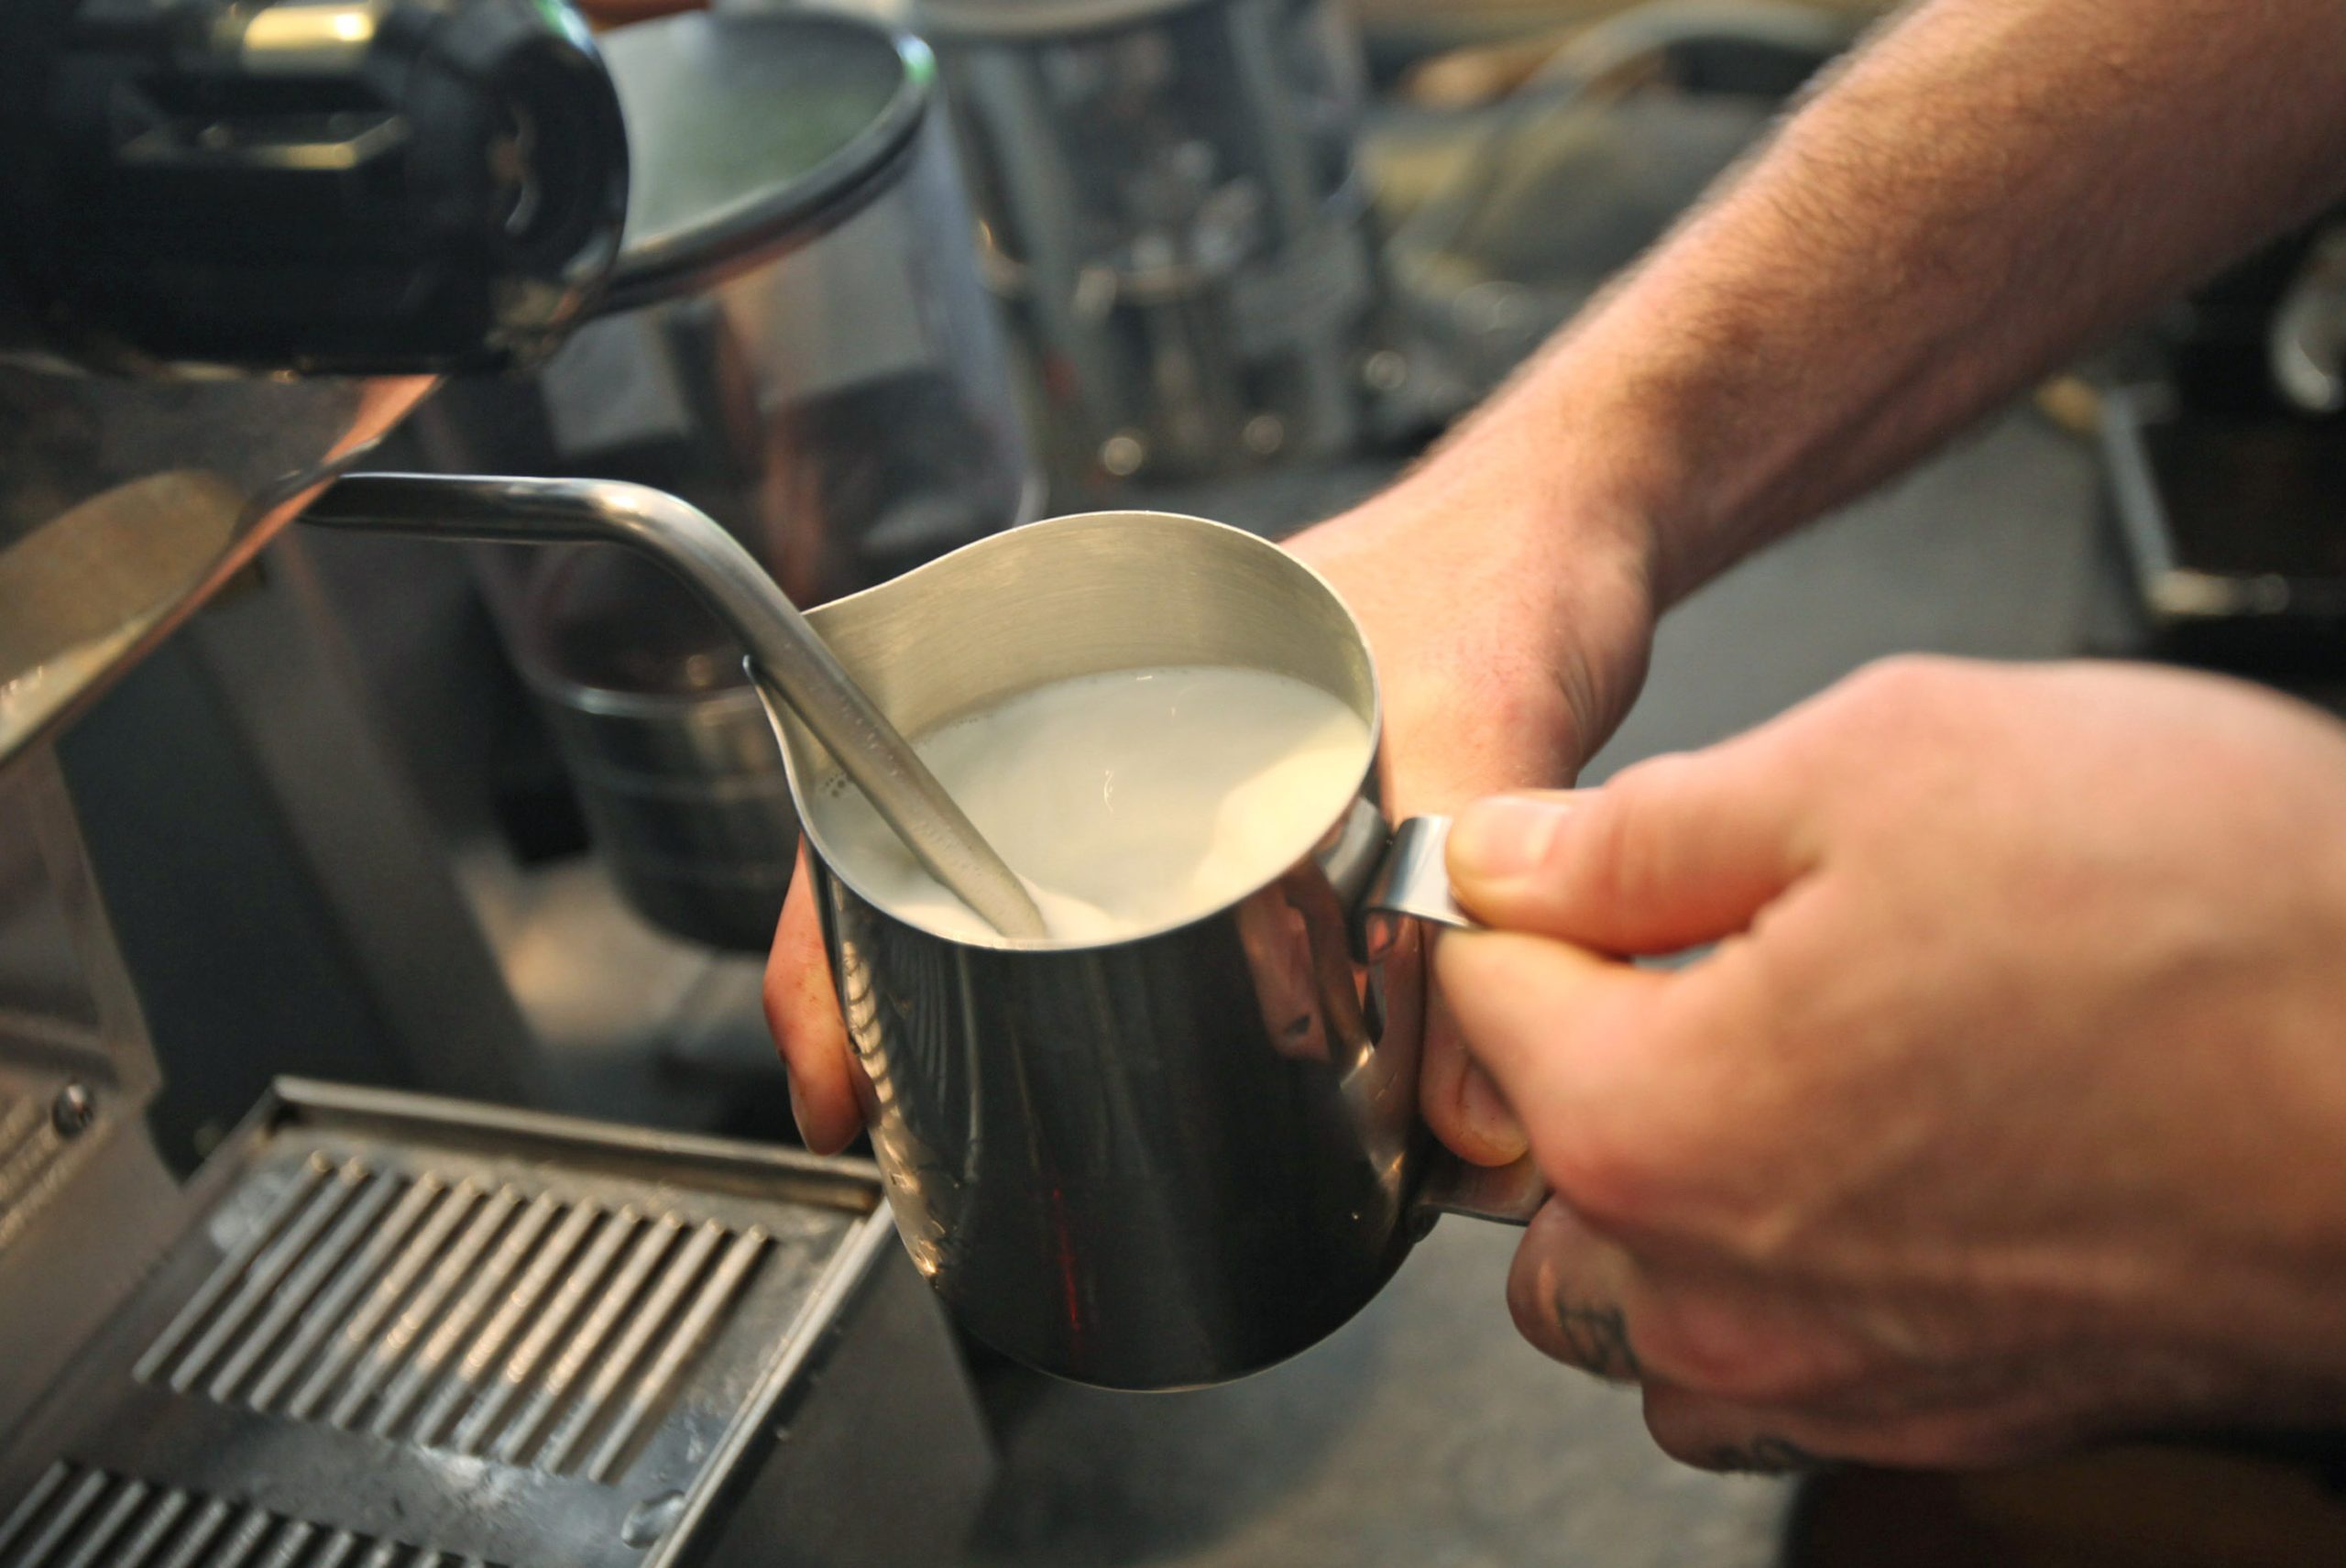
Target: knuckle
{"x": 1908, "y": 694}
{"x": 1642, "y": 1146}
{"x": 1727, "y": 1352}
{"x": 1904, "y": 679}
{"x": 1568, "y": 1295}
{"x": 1598, "y": 1167}
{"x": 1592, "y": 1337}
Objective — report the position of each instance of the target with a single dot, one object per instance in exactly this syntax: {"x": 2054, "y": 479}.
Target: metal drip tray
{"x": 83, "y": 1516}
{"x": 402, "y": 1332}
{"x": 38, "y": 1152}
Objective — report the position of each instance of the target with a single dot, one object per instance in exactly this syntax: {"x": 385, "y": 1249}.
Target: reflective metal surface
{"x": 126, "y": 504}
{"x": 1414, "y": 878}
{"x": 403, "y": 1330}
{"x": 1170, "y": 1160}
{"x": 2306, "y": 341}
{"x": 802, "y": 349}
{"x": 670, "y": 749}
{"x": 1169, "y": 203}
{"x": 787, "y": 660}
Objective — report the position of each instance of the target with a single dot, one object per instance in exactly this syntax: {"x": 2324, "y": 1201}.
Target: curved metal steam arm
{"x": 787, "y": 657}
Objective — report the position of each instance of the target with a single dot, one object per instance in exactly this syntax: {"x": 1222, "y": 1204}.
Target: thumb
{"x": 1673, "y": 853}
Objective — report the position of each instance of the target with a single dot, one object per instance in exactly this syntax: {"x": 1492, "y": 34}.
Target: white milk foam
{"x": 1125, "y": 802}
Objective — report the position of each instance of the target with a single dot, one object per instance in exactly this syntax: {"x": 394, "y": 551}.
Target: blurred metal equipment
{"x": 124, "y": 504}
{"x": 389, "y": 1329}
{"x": 2225, "y": 464}
{"x": 1538, "y": 198}
{"x": 1169, "y": 201}
{"x": 799, "y": 346}
{"x": 75, "y": 1077}
{"x": 2308, "y": 340}
{"x": 393, "y": 1329}
{"x": 375, "y": 1328}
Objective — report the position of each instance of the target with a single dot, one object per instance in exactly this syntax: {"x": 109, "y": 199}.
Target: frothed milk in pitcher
{"x": 1127, "y": 801}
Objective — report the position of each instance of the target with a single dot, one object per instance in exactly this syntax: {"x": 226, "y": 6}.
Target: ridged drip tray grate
{"x": 404, "y": 1333}
{"x": 529, "y": 1326}
{"x": 80, "y": 1519}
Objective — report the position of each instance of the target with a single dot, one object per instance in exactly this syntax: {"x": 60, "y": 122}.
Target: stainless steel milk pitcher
{"x": 1177, "y": 1159}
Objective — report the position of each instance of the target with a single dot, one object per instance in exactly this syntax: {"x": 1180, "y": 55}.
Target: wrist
{"x": 1581, "y": 445}
{"x": 1550, "y": 554}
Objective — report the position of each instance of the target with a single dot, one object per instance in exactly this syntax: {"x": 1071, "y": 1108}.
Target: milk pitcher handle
{"x": 1412, "y": 880}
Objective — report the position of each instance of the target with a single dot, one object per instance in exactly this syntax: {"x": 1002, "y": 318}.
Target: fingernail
{"x": 1488, "y": 1116}
{"x": 1503, "y": 836}
{"x": 798, "y": 1113}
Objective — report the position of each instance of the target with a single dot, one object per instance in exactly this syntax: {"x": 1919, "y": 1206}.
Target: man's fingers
{"x": 1587, "y": 1303}
{"x": 1673, "y": 853}
{"x": 1571, "y": 1293}
{"x": 1719, "y": 1434}
{"x": 1461, "y": 1102}
{"x": 1551, "y": 1025}
{"x": 803, "y": 1011}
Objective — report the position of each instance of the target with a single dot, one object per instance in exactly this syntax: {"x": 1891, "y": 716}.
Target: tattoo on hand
{"x": 1763, "y": 1455}
{"x": 1596, "y": 1339}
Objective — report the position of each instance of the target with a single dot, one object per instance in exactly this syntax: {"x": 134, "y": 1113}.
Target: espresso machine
{"x": 375, "y": 1325}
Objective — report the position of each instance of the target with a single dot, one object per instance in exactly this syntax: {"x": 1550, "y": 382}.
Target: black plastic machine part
{"x": 326, "y": 186}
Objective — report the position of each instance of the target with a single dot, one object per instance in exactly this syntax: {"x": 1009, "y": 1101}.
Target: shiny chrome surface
{"x": 124, "y": 504}
{"x": 1170, "y": 1160}
{"x": 670, "y": 750}
{"x": 788, "y": 660}
{"x": 409, "y": 1331}
{"x": 1168, "y": 201}
{"x": 802, "y": 349}
{"x": 2306, "y": 341}
{"x": 1414, "y": 877}
{"x": 688, "y": 807}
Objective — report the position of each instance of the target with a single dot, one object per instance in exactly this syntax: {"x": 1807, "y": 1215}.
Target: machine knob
{"x": 328, "y": 186}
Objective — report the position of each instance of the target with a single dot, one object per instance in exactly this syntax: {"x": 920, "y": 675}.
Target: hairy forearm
{"x": 1987, "y": 187}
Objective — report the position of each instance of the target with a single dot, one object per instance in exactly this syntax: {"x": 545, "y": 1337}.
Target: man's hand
{"x": 2010, "y": 1108}
{"x": 1510, "y": 628}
